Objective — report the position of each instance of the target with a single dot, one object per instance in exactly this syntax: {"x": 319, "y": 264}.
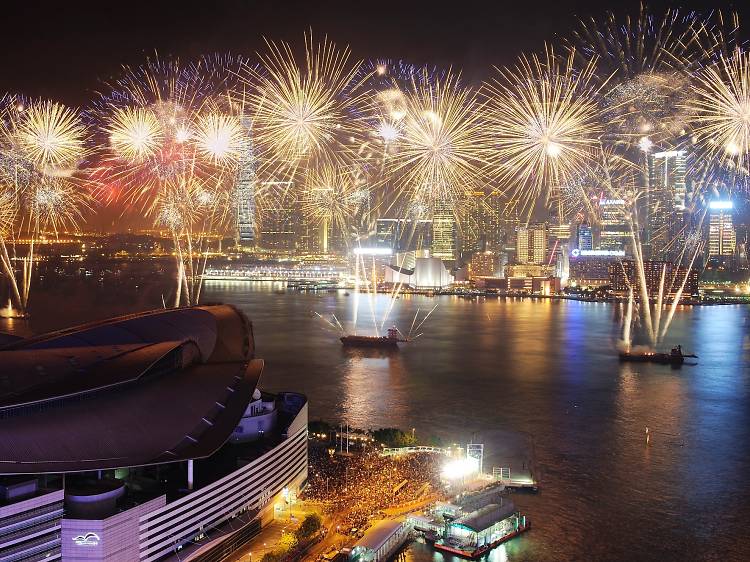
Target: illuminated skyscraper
{"x": 279, "y": 230}
{"x": 245, "y": 192}
{"x": 722, "y": 239}
{"x": 614, "y": 228}
{"x": 665, "y": 204}
{"x": 531, "y": 244}
{"x": 444, "y": 233}
{"x": 585, "y": 238}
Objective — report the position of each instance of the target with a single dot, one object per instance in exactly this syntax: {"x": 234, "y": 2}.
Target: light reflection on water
{"x": 528, "y": 377}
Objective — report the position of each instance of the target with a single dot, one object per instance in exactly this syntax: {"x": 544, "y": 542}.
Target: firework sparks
{"x": 721, "y": 108}
{"x": 545, "y": 124}
{"x": 442, "y": 148}
{"x": 220, "y": 138}
{"x": 333, "y": 196}
{"x": 306, "y": 112}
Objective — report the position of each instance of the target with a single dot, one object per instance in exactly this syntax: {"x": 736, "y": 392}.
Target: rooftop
{"x": 143, "y": 389}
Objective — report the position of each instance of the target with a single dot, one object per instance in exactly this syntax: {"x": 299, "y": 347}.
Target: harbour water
{"x": 532, "y": 380}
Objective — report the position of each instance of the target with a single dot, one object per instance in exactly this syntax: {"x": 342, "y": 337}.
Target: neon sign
{"x": 602, "y": 253}
{"x": 88, "y": 539}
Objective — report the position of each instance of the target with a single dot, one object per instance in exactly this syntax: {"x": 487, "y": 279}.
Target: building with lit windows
{"x": 143, "y": 438}
{"x": 665, "y": 203}
{"x": 722, "y": 238}
{"x": 484, "y": 264}
{"x": 531, "y": 244}
{"x": 584, "y": 237}
{"x": 624, "y": 274}
{"x": 245, "y": 190}
{"x": 444, "y": 234}
{"x": 614, "y": 232}
{"x": 403, "y": 235}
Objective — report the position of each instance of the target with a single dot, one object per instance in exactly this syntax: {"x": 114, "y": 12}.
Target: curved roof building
{"x": 144, "y": 389}
{"x": 147, "y": 414}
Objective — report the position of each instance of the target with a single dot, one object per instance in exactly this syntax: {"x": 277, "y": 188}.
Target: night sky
{"x": 63, "y": 50}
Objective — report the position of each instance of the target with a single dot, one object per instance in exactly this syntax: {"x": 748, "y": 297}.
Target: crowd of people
{"x": 358, "y": 486}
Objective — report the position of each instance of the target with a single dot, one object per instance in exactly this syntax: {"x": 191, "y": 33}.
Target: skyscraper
{"x": 444, "y": 233}
{"x": 614, "y": 228}
{"x": 585, "y": 238}
{"x": 665, "y": 204}
{"x": 245, "y": 191}
{"x": 722, "y": 239}
{"x": 531, "y": 244}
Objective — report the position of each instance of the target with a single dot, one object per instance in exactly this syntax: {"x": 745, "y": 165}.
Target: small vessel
{"x": 674, "y": 357}
{"x": 391, "y": 340}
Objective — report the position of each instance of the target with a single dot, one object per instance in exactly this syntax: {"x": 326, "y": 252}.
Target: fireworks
{"x": 219, "y": 137}
{"x": 442, "y": 147}
{"x": 721, "y": 107}
{"x": 51, "y": 136}
{"x": 305, "y": 113}
{"x": 333, "y": 196}
{"x": 134, "y": 133}
{"x": 546, "y": 126}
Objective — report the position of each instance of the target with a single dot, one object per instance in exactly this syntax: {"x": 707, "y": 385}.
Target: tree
{"x": 286, "y": 543}
{"x": 310, "y": 525}
{"x": 393, "y": 437}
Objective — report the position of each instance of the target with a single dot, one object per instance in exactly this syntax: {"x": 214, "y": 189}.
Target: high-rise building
{"x": 722, "y": 239}
{"x": 585, "y": 238}
{"x": 531, "y": 244}
{"x": 444, "y": 233}
{"x": 278, "y": 230}
{"x": 665, "y": 204}
{"x": 245, "y": 192}
{"x": 623, "y": 274}
{"x": 614, "y": 231}
{"x": 403, "y": 235}
{"x": 484, "y": 264}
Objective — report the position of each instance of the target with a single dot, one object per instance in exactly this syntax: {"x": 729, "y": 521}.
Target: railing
{"x": 395, "y": 451}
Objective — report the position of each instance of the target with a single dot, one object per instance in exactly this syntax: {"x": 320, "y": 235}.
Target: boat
{"x": 391, "y": 340}
{"x": 674, "y": 357}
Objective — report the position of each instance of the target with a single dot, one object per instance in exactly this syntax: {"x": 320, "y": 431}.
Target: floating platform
{"x": 477, "y": 552}
{"x": 390, "y": 341}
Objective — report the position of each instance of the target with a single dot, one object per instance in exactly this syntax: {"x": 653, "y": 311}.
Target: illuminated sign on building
{"x": 720, "y": 205}
{"x": 607, "y": 202}
{"x": 88, "y": 539}
{"x": 601, "y": 253}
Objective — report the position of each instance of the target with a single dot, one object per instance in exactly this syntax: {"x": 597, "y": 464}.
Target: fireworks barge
{"x": 390, "y": 341}
{"x": 675, "y": 357}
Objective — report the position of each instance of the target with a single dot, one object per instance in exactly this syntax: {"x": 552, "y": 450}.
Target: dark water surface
{"x": 529, "y": 379}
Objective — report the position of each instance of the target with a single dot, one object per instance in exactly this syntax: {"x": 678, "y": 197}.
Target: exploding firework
{"x": 546, "y": 126}
{"x": 304, "y": 112}
{"x": 333, "y": 196}
{"x": 442, "y": 147}
{"x": 720, "y": 105}
{"x": 42, "y": 144}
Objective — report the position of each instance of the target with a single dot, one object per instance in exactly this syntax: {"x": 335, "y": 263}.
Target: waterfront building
{"x": 444, "y": 233}
{"x": 590, "y": 268}
{"x": 143, "y": 438}
{"x": 665, "y": 203}
{"x": 484, "y": 264}
{"x": 722, "y": 239}
{"x": 428, "y": 273}
{"x": 624, "y": 274}
{"x": 531, "y": 244}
